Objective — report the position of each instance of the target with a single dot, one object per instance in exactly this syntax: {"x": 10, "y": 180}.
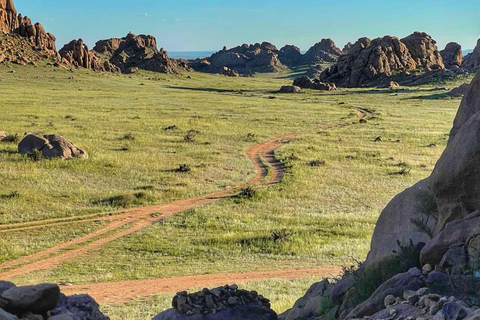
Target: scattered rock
{"x": 38, "y": 299}
{"x": 229, "y": 72}
{"x": 290, "y": 89}
{"x": 306, "y": 82}
{"x": 51, "y": 146}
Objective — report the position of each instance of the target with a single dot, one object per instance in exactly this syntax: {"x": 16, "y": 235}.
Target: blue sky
{"x": 188, "y": 25}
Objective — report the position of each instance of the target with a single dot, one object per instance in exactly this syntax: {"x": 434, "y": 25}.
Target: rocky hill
{"x": 412, "y": 60}
{"x": 424, "y": 260}
{"x": 325, "y": 50}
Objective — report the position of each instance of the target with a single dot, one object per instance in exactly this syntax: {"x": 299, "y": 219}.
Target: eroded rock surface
{"x": 50, "y": 146}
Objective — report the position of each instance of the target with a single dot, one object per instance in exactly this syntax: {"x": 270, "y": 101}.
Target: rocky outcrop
{"x": 325, "y": 50}
{"x": 44, "y": 301}
{"x": 452, "y": 55}
{"x": 347, "y": 47}
{"x": 424, "y": 51}
{"x": 370, "y": 62}
{"x": 472, "y": 60}
{"x": 413, "y": 60}
{"x": 244, "y": 59}
{"x": 77, "y": 54}
{"x": 50, "y": 146}
{"x": 222, "y": 303}
{"x": 13, "y": 23}
{"x": 290, "y": 55}
{"x": 136, "y": 51}
{"x": 229, "y": 72}
{"x": 315, "y": 84}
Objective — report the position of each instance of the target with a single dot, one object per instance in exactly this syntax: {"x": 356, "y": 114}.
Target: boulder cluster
{"x": 265, "y": 57}
{"x": 412, "y": 60}
{"x": 50, "y": 146}
{"x": 44, "y": 301}
{"x": 226, "y": 302}
{"x": 439, "y": 218}
{"x": 315, "y": 84}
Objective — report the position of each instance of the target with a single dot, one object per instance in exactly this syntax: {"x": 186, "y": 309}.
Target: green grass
{"x": 327, "y": 213}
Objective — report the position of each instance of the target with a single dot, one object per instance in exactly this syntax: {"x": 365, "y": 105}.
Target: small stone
{"x": 233, "y": 287}
{"x": 389, "y": 300}
{"x": 427, "y": 269}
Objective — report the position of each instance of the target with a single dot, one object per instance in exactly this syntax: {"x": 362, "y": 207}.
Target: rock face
{"x": 452, "y": 55}
{"x": 472, "y": 60}
{"x": 222, "y": 303}
{"x": 136, "y": 51}
{"x": 393, "y": 224}
{"x": 424, "y": 51}
{"x": 306, "y": 82}
{"x": 44, "y": 301}
{"x": 51, "y": 146}
{"x": 244, "y": 59}
{"x": 77, "y": 54}
{"x": 13, "y": 23}
{"x": 325, "y": 50}
{"x": 379, "y": 61}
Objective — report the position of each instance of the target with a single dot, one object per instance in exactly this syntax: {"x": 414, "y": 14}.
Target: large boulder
{"x": 472, "y": 60}
{"x": 51, "y": 146}
{"x": 250, "y": 312}
{"x": 424, "y": 51}
{"x": 325, "y": 50}
{"x": 394, "y": 224}
{"x": 452, "y": 55}
{"x": 455, "y": 233}
{"x": 290, "y": 55}
{"x": 38, "y": 299}
{"x": 396, "y": 286}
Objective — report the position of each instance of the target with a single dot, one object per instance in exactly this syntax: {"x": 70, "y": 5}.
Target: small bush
{"x": 184, "y": 168}
{"x": 316, "y": 163}
{"x": 124, "y": 200}
{"x": 281, "y": 236}
{"x": 10, "y": 138}
{"x": 401, "y": 172}
{"x": 36, "y": 155}
{"x": 251, "y": 137}
{"x": 170, "y": 128}
{"x": 426, "y": 210}
{"x": 128, "y": 136}
{"x": 190, "y": 136}
{"x": 11, "y": 195}
{"x": 292, "y": 157}
{"x": 247, "y": 193}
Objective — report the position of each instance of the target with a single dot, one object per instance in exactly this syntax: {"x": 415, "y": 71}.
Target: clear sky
{"x": 192, "y": 25}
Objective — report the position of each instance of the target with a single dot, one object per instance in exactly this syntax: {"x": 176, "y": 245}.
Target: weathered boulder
{"x": 325, "y": 50}
{"x": 396, "y": 286}
{"x": 290, "y": 55}
{"x": 51, "y": 146}
{"x": 456, "y": 232}
{"x": 452, "y": 55}
{"x": 77, "y": 54}
{"x": 472, "y": 60}
{"x": 78, "y": 307}
{"x": 459, "y": 91}
{"x": 424, "y": 51}
{"x": 394, "y": 224}
{"x": 316, "y": 84}
{"x": 290, "y": 89}
{"x": 38, "y": 299}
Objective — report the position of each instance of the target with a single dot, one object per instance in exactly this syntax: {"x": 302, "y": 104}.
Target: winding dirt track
{"x": 269, "y": 171}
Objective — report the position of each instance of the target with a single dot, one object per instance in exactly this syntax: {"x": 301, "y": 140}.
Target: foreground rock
{"x": 50, "y": 146}
{"x": 222, "y": 303}
{"x": 290, "y": 89}
{"x": 315, "y": 84}
{"x": 459, "y": 91}
{"x": 44, "y": 301}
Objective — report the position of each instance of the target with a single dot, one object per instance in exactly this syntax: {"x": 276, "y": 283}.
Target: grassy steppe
{"x": 325, "y": 213}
